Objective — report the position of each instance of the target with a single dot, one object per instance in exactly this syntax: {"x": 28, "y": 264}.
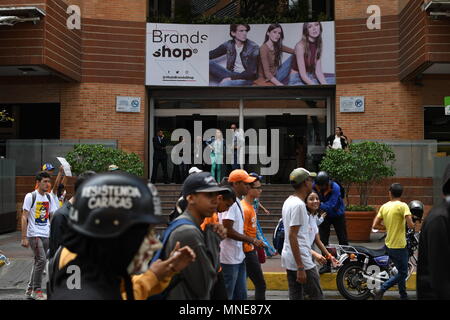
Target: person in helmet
{"x": 433, "y": 277}
{"x": 332, "y": 203}
{"x": 416, "y": 209}
{"x": 110, "y": 239}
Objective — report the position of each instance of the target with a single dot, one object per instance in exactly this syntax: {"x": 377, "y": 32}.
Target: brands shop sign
{"x": 227, "y": 55}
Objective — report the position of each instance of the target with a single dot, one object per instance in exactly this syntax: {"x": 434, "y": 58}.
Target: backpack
{"x": 33, "y": 198}
{"x": 278, "y": 236}
{"x": 160, "y": 255}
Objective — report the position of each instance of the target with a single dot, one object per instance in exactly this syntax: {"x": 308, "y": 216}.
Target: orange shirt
{"x": 249, "y": 223}
{"x": 214, "y": 219}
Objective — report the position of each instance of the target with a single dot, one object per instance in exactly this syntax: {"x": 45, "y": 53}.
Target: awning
{"x": 9, "y": 16}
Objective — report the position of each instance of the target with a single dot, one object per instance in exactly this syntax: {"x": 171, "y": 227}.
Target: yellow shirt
{"x": 393, "y": 214}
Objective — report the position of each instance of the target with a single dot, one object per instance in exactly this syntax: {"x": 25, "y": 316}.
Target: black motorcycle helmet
{"x": 108, "y": 204}
{"x": 322, "y": 179}
{"x": 416, "y": 208}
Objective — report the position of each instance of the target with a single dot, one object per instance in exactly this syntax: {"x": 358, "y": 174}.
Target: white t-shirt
{"x": 238, "y": 66}
{"x": 55, "y": 197}
{"x": 337, "y": 143}
{"x": 231, "y": 251}
{"x": 294, "y": 214}
{"x": 38, "y": 215}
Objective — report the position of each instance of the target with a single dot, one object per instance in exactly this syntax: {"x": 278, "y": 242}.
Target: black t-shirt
{"x": 58, "y": 227}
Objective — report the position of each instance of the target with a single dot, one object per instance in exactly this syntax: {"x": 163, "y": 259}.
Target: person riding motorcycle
{"x": 110, "y": 239}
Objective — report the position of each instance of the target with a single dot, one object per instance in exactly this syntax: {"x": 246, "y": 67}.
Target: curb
{"x": 277, "y": 281}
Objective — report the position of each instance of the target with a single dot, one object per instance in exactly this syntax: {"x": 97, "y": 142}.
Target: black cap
{"x": 201, "y": 182}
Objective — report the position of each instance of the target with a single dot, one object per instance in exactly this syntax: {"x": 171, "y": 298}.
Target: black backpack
{"x": 278, "y": 237}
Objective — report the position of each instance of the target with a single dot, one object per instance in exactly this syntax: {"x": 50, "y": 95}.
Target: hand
{"x": 224, "y": 80}
{"x": 61, "y": 169}
{"x": 334, "y": 262}
{"x": 25, "y": 243}
{"x": 301, "y": 276}
{"x": 323, "y": 215}
{"x": 180, "y": 258}
{"x": 320, "y": 258}
{"x": 266, "y": 211}
{"x": 220, "y": 230}
{"x": 258, "y": 243}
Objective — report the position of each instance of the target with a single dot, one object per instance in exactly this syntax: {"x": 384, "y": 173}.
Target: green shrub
{"x": 355, "y": 207}
{"x": 97, "y": 158}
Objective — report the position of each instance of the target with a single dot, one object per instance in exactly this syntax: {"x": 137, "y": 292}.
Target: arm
{"x": 233, "y": 234}
{"x": 264, "y": 209}
{"x": 409, "y": 222}
{"x": 301, "y": 274}
{"x": 287, "y": 49}
{"x": 377, "y": 224}
{"x": 58, "y": 180}
{"x": 24, "y": 242}
{"x": 319, "y": 72}
{"x": 332, "y": 201}
{"x": 218, "y": 52}
{"x": 300, "y": 54}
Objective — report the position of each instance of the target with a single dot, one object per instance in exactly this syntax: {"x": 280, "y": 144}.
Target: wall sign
{"x": 352, "y": 104}
{"x": 128, "y": 104}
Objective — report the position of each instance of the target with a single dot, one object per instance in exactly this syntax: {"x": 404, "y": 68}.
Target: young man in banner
{"x": 242, "y": 59}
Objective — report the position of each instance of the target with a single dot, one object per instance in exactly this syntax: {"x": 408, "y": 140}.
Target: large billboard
{"x": 287, "y": 54}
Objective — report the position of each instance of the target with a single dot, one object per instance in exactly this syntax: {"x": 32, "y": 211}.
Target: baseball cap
{"x": 240, "y": 175}
{"x": 47, "y": 167}
{"x": 299, "y": 175}
{"x": 201, "y": 182}
{"x": 254, "y": 174}
{"x": 194, "y": 170}
{"x": 113, "y": 167}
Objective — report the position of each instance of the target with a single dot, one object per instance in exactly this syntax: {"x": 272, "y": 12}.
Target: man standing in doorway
{"x": 242, "y": 59}
{"x": 159, "y": 156}
{"x": 38, "y": 208}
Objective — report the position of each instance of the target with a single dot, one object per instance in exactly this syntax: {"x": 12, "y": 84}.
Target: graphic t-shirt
{"x": 38, "y": 214}
{"x": 393, "y": 214}
{"x": 249, "y": 224}
{"x": 231, "y": 251}
{"x": 294, "y": 214}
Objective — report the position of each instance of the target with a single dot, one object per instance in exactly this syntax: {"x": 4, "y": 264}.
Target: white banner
{"x": 241, "y": 55}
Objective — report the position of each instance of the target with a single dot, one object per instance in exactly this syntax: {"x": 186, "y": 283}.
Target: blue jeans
{"x": 296, "y": 80}
{"x": 283, "y": 71}
{"x": 235, "y": 280}
{"x": 400, "y": 259}
{"x": 218, "y": 73}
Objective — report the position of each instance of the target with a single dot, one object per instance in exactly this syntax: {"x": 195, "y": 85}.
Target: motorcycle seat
{"x": 372, "y": 252}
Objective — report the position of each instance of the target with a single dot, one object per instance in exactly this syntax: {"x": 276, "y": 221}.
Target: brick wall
{"x": 88, "y": 111}
{"x": 389, "y": 108}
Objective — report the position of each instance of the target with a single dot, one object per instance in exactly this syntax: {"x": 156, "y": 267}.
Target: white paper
{"x": 66, "y": 166}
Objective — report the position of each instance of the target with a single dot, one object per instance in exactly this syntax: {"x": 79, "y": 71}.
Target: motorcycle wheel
{"x": 350, "y": 282}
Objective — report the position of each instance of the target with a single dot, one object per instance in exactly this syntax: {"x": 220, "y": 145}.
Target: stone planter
{"x": 359, "y": 225}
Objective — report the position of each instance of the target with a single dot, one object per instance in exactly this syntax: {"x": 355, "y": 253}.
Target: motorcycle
{"x": 361, "y": 269}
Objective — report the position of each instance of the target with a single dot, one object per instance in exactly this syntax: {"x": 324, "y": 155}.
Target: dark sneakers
{"x": 378, "y": 294}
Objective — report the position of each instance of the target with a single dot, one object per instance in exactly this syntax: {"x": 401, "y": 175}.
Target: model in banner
{"x": 307, "y": 65}
{"x": 271, "y": 70}
{"x": 242, "y": 59}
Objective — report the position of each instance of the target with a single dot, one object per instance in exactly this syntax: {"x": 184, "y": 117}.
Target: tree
{"x": 364, "y": 165}
{"x": 97, "y": 158}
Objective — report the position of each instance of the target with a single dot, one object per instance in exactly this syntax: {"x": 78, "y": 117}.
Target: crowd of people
{"x": 106, "y": 235}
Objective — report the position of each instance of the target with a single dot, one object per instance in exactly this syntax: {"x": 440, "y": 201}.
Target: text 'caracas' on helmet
{"x": 322, "y": 178}
{"x": 416, "y": 208}
{"x": 107, "y": 204}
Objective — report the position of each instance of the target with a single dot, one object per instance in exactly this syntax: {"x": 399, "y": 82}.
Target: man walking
{"x": 38, "y": 208}
{"x": 59, "y": 222}
{"x": 236, "y": 147}
{"x": 332, "y": 203}
{"x": 296, "y": 256}
{"x": 159, "y": 156}
{"x": 433, "y": 278}
{"x": 231, "y": 252}
{"x": 393, "y": 214}
{"x": 242, "y": 59}
{"x": 196, "y": 282}
{"x": 253, "y": 267}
